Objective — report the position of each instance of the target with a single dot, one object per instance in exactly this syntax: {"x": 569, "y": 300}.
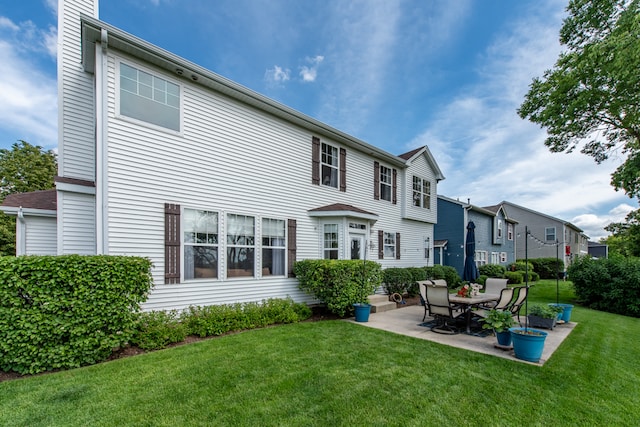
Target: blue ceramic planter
{"x": 504, "y": 338}
{"x": 362, "y": 312}
{"x": 528, "y": 346}
{"x": 565, "y": 314}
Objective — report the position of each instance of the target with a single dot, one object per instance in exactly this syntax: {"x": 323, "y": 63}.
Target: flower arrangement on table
{"x": 469, "y": 290}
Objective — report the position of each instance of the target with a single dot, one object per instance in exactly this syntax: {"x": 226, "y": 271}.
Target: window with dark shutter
{"x": 376, "y": 181}
{"x": 291, "y": 245}
{"x": 397, "y": 245}
{"x": 171, "y": 243}
{"x": 394, "y": 199}
{"x": 343, "y": 170}
{"x": 315, "y": 160}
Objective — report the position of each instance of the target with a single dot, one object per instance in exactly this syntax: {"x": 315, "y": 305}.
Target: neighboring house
{"x": 598, "y": 250}
{"x": 494, "y": 234}
{"x": 548, "y": 236}
{"x": 222, "y": 188}
{"x": 36, "y": 221}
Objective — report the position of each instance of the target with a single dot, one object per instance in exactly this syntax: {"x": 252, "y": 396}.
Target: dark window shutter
{"x": 397, "y": 245}
{"x": 315, "y": 160}
{"x": 171, "y": 243}
{"x": 376, "y": 181}
{"x": 291, "y": 245}
{"x": 380, "y": 244}
{"x": 394, "y": 197}
{"x": 343, "y": 169}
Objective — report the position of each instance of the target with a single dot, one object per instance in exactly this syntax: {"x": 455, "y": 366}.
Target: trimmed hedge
{"x": 445, "y": 272}
{"x": 547, "y": 267}
{"x": 611, "y": 285}
{"x": 396, "y": 280}
{"x": 492, "y": 270}
{"x": 60, "y": 312}
{"x": 338, "y": 283}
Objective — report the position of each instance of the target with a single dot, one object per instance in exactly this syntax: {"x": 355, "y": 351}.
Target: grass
{"x": 334, "y": 373}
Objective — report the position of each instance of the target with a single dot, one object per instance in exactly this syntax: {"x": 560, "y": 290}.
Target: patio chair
{"x": 521, "y": 296}
{"x": 493, "y": 285}
{"x": 422, "y": 286}
{"x": 438, "y": 306}
{"x": 503, "y": 303}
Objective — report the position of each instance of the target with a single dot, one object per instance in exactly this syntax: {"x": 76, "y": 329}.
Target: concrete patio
{"x": 407, "y": 320}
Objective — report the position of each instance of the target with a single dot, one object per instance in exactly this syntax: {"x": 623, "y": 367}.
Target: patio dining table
{"x": 468, "y": 303}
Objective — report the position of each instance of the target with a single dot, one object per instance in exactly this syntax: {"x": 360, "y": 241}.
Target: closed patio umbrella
{"x": 470, "y": 272}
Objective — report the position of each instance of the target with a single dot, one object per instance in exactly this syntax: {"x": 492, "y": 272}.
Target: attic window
{"x": 151, "y": 99}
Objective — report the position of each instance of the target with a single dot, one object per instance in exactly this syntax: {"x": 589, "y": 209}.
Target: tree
{"x": 591, "y": 98}
{"x": 23, "y": 168}
{"x": 625, "y": 238}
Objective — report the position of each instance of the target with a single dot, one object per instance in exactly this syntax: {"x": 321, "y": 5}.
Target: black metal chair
{"x": 521, "y": 297}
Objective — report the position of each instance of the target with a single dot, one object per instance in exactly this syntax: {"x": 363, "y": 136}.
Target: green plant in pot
{"x": 543, "y": 316}
{"x": 500, "y": 321}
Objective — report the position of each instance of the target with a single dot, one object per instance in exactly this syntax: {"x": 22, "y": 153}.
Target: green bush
{"x": 396, "y": 280}
{"x": 338, "y": 283}
{"x": 417, "y": 274}
{"x": 158, "y": 329}
{"x": 547, "y": 267}
{"x": 521, "y": 265}
{"x": 451, "y": 276}
{"x": 216, "y": 320}
{"x": 492, "y": 270}
{"x": 60, "y": 312}
{"x": 611, "y": 285}
{"x": 515, "y": 277}
{"x": 434, "y": 272}
{"x": 481, "y": 280}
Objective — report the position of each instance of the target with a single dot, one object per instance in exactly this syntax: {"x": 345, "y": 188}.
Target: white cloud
{"x": 28, "y": 99}
{"x": 310, "y": 73}
{"x": 593, "y": 225}
{"x": 277, "y": 75}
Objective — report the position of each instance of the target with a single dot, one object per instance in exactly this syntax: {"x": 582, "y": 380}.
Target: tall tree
{"x": 591, "y": 97}
{"x": 23, "y": 168}
{"x": 625, "y": 236}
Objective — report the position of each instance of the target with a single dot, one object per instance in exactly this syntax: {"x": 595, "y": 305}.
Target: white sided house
{"x": 222, "y": 188}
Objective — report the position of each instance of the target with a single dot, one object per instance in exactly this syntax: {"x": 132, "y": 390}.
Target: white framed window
{"x": 330, "y": 241}
{"x": 149, "y": 98}
{"x": 495, "y": 257}
{"x": 509, "y": 231}
{"x": 385, "y": 183}
{"x": 421, "y": 193}
{"x": 330, "y": 165}
{"x": 273, "y": 247}
{"x": 499, "y": 234}
{"x": 201, "y": 243}
{"x": 389, "y": 248}
{"x": 240, "y": 245}
{"x": 480, "y": 258}
{"x": 550, "y": 234}
{"x": 503, "y": 257}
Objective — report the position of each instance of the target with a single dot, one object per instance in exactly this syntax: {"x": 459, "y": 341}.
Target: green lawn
{"x": 334, "y": 373}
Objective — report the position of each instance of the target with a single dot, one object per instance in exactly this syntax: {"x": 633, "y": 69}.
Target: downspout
{"x": 101, "y": 88}
{"x": 21, "y": 234}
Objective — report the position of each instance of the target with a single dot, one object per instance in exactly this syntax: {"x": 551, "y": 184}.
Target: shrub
{"x": 451, "y": 276}
{"x": 547, "y": 267}
{"x": 521, "y": 265}
{"x": 515, "y": 277}
{"x": 611, "y": 285}
{"x": 60, "y": 312}
{"x": 434, "y": 272}
{"x": 157, "y": 329}
{"x": 492, "y": 270}
{"x": 338, "y": 283}
{"x": 481, "y": 280}
{"x": 417, "y": 274}
{"x": 396, "y": 280}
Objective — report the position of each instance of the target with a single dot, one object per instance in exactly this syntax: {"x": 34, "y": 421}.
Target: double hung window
{"x": 273, "y": 247}
{"x": 421, "y": 193}
{"x": 330, "y": 241}
{"x": 329, "y": 165}
{"x": 241, "y": 245}
{"x": 200, "y": 244}
{"x": 385, "y": 183}
{"x": 389, "y": 245}
{"x": 550, "y": 234}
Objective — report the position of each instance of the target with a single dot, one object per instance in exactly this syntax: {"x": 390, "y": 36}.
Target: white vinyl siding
{"x": 40, "y": 235}
{"x": 77, "y": 227}
{"x": 217, "y": 164}
{"x": 76, "y": 155}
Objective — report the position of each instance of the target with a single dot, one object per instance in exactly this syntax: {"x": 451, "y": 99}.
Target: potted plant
{"x": 543, "y": 316}
{"x": 528, "y": 343}
{"x": 362, "y": 311}
{"x": 500, "y": 321}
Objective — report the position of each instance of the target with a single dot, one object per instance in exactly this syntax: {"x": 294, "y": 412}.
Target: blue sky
{"x": 397, "y": 74}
